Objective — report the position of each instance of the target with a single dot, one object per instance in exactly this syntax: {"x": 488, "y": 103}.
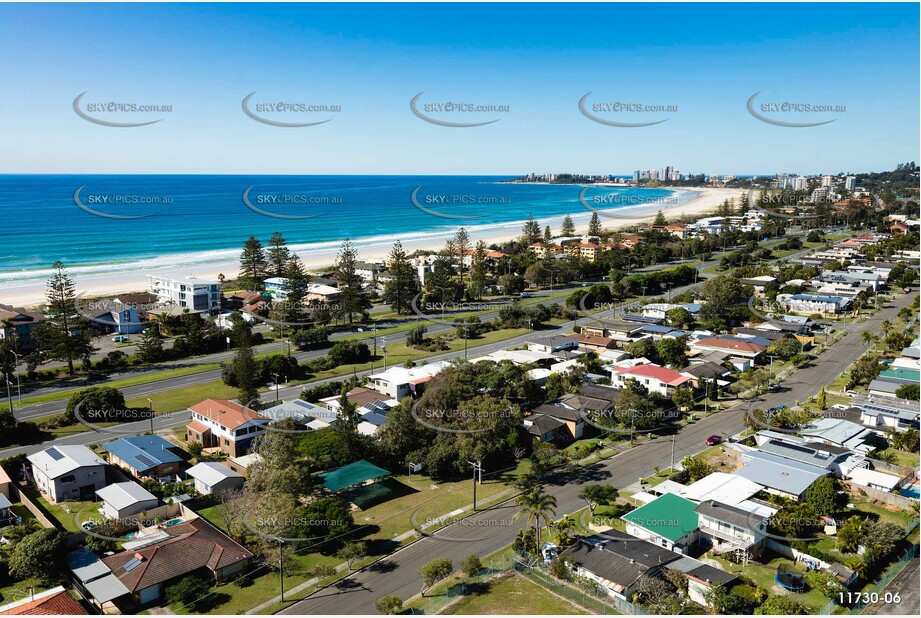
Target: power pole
{"x": 150, "y": 407}
{"x": 673, "y": 452}
{"x": 281, "y": 568}
{"x": 477, "y": 469}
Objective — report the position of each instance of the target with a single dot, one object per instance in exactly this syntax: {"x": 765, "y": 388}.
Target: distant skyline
{"x": 538, "y": 60}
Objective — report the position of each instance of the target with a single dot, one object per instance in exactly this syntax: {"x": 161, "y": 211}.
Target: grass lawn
{"x": 181, "y": 398}
{"x": 762, "y": 574}
{"x": 511, "y": 595}
{"x": 427, "y": 499}
{"x": 86, "y": 509}
{"x": 17, "y": 590}
{"x": 884, "y": 513}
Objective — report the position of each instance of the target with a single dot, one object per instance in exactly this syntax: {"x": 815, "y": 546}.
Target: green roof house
{"x": 667, "y": 521}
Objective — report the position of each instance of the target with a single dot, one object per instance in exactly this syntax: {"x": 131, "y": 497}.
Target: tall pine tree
{"x": 65, "y": 336}
{"x": 594, "y": 225}
{"x": 568, "y": 229}
{"x": 402, "y": 287}
{"x": 353, "y": 298}
{"x": 278, "y": 255}
{"x": 253, "y": 264}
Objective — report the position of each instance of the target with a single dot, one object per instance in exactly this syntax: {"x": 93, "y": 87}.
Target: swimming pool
{"x": 911, "y": 491}
{"x": 172, "y": 522}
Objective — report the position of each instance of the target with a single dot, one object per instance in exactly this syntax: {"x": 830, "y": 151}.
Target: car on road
{"x": 525, "y": 295}
{"x": 120, "y": 339}
{"x": 714, "y": 440}
{"x": 774, "y": 387}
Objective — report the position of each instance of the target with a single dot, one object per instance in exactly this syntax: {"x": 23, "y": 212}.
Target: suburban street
{"x": 357, "y": 593}
{"x": 48, "y": 408}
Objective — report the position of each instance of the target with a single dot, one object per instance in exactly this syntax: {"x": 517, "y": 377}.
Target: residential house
{"x": 552, "y": 344}
{"x": 299, "y": 410}
{"x": 620, "y": 331}
{"x": 122, "y": 500}
{"x": 225, "y": 424}
{"x": 242, "y": 465}
{"x": 546, "y": 428}
{"x": 572, "y": 419}
{"x": 398, "y": 382}
{"x": 52, "y": 602}
{"x": 881, "y": 413}
{"x": 839, "y": 432}
{"x": 68, "y": 472}
{"x": 147, "y": 456}
{"x": 192, "y": 546}
{"x": 656, "y": 379}
{"x": 814, "y": 303}
{"x": 598, "y": 345}
{"x": 733, "y": 530}
{"x": 705, "y": 372}
{"x": 736, "y": 346}
{"x": 617, "y": 565}
{"x": 94, "y": 580}
{"x": 779, "y": 475}
{"x": 364, "y": 400}
{"x": 890, "y": 380}
{"x": 669, "y": 521}
{"x": 7, "y": 516}
{"x": 617, "y": 562}
{"x": 875, "y": 479}
{"x": 19, "y": 324}
{"x": 759, "y": 283}
{"x": 214, "y": 478}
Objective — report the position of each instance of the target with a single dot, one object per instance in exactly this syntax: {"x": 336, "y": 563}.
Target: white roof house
{"x": 397, "y": 382}
{"x": 875, "y": 479}
{"x": 211, "y": 477}
{"x": 121, "y": 500}
{"x": 60, "y": 460}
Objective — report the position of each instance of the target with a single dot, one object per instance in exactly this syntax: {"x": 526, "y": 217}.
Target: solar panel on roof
{"x": 147, "y": 461}
{"x": 55, "y": 454}
{"x": 131, "y": 564}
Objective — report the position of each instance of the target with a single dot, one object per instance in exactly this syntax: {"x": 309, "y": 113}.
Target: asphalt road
{"x": 907, "y": 587}
{"x": 494, "y": 528}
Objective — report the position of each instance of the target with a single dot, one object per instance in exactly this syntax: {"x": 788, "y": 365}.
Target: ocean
{"x": 125, "y": 223}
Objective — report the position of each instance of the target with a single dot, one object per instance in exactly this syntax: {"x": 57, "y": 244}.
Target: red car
{"x": 714, "y": 440}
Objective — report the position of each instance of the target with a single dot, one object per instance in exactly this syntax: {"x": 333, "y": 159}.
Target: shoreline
{"x": 120, "y": 279}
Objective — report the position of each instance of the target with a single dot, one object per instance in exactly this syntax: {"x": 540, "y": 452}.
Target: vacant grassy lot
{"x": 510, "y": 595}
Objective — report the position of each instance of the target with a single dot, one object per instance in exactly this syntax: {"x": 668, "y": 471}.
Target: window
{"x": 70, "y": 478}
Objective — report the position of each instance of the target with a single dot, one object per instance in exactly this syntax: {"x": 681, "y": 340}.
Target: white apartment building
{"x": 186, "y": 292}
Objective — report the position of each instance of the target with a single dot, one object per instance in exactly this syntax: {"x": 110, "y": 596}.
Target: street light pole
{"x": 275, "y": 375}
{"x": 150, "y": 407}
{"x": 18, "y": 387}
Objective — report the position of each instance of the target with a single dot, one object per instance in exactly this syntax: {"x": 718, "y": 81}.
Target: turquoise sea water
{"x": 187, "y": 220}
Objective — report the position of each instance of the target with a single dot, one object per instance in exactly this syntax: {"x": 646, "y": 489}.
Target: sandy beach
{"x": 109, "y": 282}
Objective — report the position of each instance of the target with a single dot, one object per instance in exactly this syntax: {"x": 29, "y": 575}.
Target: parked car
{"x": 88, "y": 525}
{"x": 714, "y": 440}
{"x": 120, "y": 339}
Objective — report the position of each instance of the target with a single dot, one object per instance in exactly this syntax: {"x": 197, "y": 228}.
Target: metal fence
{"x": 595, "y": 599}
{"x": 877, "y": 590}
{"x": 438, "y": 601}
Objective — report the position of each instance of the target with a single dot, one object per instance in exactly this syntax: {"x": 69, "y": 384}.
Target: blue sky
{"x": 538, "y": 59}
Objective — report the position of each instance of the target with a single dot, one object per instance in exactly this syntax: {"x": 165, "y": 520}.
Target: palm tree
{"x": 534, "y": 505}
{"x": 562, "y": 530}
{"x": 869, "y": 339}
{"x": 887, "y": 326}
